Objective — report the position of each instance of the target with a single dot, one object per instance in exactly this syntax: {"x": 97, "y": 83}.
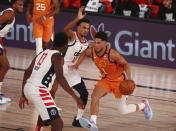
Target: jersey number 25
{"x": 40, "y": 6}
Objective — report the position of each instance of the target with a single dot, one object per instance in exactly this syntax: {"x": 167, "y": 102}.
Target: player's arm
{"x": 56, "y": 9}
{"x": 68, "y": 28}
{"x": 7, "y": 17}
{"x": 27, "y": 74}
{"x": 57, "y": 62}
{"x": 29, "y": 11}
{"x": 115, "y": 56}
{"x": 81, "y": 58}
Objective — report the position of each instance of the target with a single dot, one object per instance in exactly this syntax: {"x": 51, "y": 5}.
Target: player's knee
{"x": 57, "y": 124}
{"x": 123, "y": 110}
{"x": 95, "y": 97}
{"x": 81, "y": 89}
{"x": 84, "y": 96}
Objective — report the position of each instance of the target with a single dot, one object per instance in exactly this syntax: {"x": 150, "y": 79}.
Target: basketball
{"x": 127, "y": 87}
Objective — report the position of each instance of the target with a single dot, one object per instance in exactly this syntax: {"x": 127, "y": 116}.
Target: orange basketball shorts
{"x": 43, "y": 30}
{"x": 111, "y": 86}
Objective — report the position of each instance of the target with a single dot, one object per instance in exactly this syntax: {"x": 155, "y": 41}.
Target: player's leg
{"x": 81, "y": 89}
{"x": 125, "y": 108}
{"x": 53, "y": 90}
{"x": 38, "y": 34}
{"x": 45, "y": 105}
{"x": 48, "y": 32}
{"x": 101, "y": 89}
{"x": 4, "y": 66}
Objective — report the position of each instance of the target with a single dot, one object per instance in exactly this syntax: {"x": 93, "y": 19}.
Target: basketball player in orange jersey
{"x": 7, "y": 20}
{"x": 43, "y": 21}
{"x": 112, "y": 67}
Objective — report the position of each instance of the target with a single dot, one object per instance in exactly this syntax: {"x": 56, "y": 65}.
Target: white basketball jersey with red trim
{"x": 43, "y": 73}
{"x": 74, "y": 50}
{"x": 4, "y": 28}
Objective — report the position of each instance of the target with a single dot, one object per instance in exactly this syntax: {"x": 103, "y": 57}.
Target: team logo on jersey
{"x": 53, "y": 112}
{"x": 102, "y": 64}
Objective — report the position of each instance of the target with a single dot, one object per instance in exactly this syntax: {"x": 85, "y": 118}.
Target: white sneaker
{"x": 88, "y": 124}
{"x": 147, "y": 110}
{"x": 2, "y": 100}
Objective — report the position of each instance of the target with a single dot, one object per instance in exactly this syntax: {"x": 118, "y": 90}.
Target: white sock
{"x": 79, "y": 114}
{"x": 141, "y": 106}
{"x": 38, "y": 45}
{"x": 93, "y": 118}
{"x": 0, "y": 86}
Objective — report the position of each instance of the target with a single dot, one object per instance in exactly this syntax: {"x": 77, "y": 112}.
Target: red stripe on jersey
{"x": 42, "y": 87}
{"x": 46, "y": 94}
{"x": 49, "y": 104}
{"x": 46, "y": 98}
{"x": 0, "y": 40}
{"x": 43, "y": 91}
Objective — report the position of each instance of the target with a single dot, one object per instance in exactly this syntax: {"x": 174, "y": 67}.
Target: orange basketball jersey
{"x": 112, "y": 70}
{"x": 42, "y": 7}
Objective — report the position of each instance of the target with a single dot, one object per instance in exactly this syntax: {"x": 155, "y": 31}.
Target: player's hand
{"x": 80, "y": 103}
{"x": 80, "y": 13}
{"x": 28, "y": 18}
{"x": 22, "y": 102}
{"x": 73, "y": 67}
{"x": 40, "y": 19}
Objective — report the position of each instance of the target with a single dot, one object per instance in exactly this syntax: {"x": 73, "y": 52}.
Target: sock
{"x": 0, "y": 86}
{"x": 93, "y": 118}
{"x": 79, "y": 114}
{"x": 141, "y": 106}
{"x": 39, "y": 128}
{"x": 38, "y": 45}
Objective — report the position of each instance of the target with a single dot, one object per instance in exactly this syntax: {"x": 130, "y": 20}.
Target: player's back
{"x": 4, "y": 28}
{"x": 43, "y": 72}
{"x": 42, "y": 7}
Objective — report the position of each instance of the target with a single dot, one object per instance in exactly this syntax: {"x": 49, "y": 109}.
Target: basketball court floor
{"x": 154, "y": 83}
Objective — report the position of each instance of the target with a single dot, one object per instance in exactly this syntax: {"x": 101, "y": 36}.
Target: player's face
{"x": 19, "y": 6}
{"x": 167, "y": 3}
{"x": 99, "y": 45}
{"x": 64, "y": 48}
{"x": 83, "y": 29}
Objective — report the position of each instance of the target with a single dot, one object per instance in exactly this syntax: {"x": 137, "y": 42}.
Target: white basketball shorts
{"x": 42, "y": 100}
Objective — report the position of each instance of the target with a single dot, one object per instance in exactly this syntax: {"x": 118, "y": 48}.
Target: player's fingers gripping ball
{"x": 127, "y": 87}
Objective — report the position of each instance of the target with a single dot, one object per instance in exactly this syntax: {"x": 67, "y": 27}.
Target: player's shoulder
{"x": 9, "y": 13}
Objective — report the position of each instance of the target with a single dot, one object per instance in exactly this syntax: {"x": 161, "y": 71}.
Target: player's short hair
{"x": 12, "y": 1}
{"x": 102, "y": 35}
{"x": 83, "y": 20}
{"x": 60, "y": 39}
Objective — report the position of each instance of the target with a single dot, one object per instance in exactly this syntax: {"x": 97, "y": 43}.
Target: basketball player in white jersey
{"x": 7, "y": 20}
{"x": 38, "y": 80}
{"x": 76, "y": 45}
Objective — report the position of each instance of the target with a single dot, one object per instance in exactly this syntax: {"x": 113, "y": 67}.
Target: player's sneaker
{"x": 2, "y": 100}
{"x": 147, "y": 110}
{"x": 8, "y": 100}
{"x": 88, "y": 124}
{"x": 76, "y": 123}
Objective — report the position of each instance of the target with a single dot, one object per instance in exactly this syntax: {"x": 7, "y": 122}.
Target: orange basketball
{"x": 127, "y": 87}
